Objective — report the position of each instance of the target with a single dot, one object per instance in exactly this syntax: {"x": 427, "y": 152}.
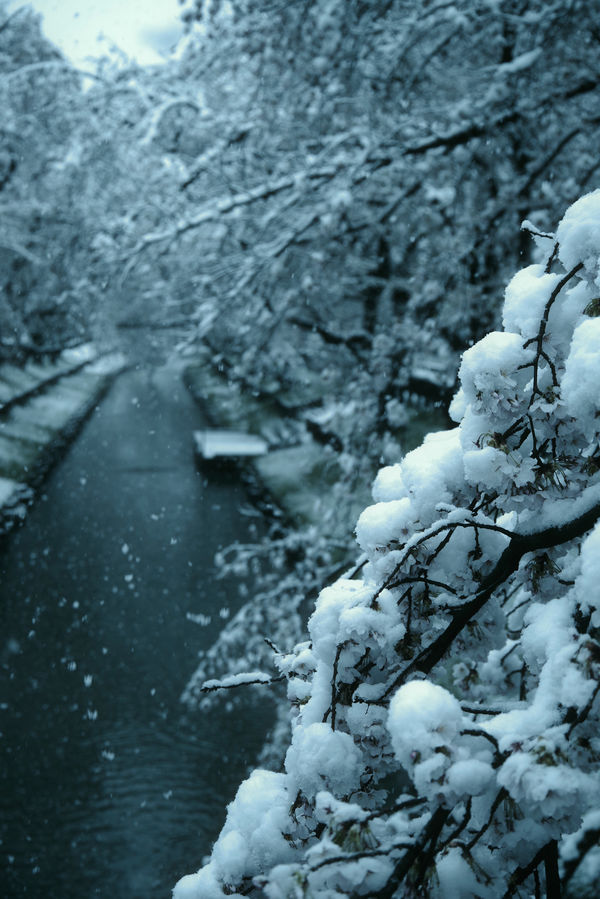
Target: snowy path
{"x": 107, "y": 786}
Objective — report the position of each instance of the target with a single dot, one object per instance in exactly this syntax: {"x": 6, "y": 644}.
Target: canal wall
{"x": 42, "y": 406}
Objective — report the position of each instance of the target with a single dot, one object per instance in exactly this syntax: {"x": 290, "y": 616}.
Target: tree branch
{"x": 521, "y": 874}
{"x": 507, "y": 564}
{"x": 539, "y": 338}
{"x": 236, "y": 681}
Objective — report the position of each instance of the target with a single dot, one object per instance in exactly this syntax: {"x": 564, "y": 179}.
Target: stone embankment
{"x": 42, "y": 405}
{"x": 303, "y": 465}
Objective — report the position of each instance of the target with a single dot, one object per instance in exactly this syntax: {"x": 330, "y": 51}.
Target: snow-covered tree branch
{"x": 444, "y": 708}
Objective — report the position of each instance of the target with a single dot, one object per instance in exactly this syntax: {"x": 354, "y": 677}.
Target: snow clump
{"x": 578, "y": 235}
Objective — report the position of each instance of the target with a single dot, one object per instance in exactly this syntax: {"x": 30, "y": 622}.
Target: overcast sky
{"x": 145, "y": 29}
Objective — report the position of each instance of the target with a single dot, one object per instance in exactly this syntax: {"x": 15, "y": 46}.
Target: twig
{"x": 334, "y": 684}
{"x": 482, "y": 733}
{"x": 521, "y": 874}
{"x": 473, "y": 710}
{"x": 585, "y": 711}
{"x": 211, "y": 686}
{"x": 416, "y": 853}
{"x": 539, "y": 338}
{"x": 499, "y": 798}
{"x": 358, "y": 856}
{"x": 458, "y": 830}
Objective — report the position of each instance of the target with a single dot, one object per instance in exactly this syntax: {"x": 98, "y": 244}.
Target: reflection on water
{"x": 108, "y": 787}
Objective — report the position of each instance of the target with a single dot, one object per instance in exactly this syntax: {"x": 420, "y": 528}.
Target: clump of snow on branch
{"x": 444, "y": 726}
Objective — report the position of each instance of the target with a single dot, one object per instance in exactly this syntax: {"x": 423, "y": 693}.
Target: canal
{"x": 108, "y": 785}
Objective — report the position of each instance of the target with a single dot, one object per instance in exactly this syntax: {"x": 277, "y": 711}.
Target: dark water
{"x": 108, "y": 786}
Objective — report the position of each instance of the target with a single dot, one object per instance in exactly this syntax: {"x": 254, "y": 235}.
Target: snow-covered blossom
{"x": 423, "y": 719}
{"x": 582, "y": 375}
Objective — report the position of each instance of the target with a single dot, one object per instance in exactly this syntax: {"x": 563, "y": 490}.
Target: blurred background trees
{"x": 392, "y": 151}
{"x": 346, "y": 176}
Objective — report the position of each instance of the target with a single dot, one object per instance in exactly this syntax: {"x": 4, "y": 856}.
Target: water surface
{"x": 108, "y": 785}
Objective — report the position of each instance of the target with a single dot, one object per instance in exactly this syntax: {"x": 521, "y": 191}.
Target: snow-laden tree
{"x": 444, "y": 727}
{"x": 32, "y": 127}
{"x": 370, "y": 166}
